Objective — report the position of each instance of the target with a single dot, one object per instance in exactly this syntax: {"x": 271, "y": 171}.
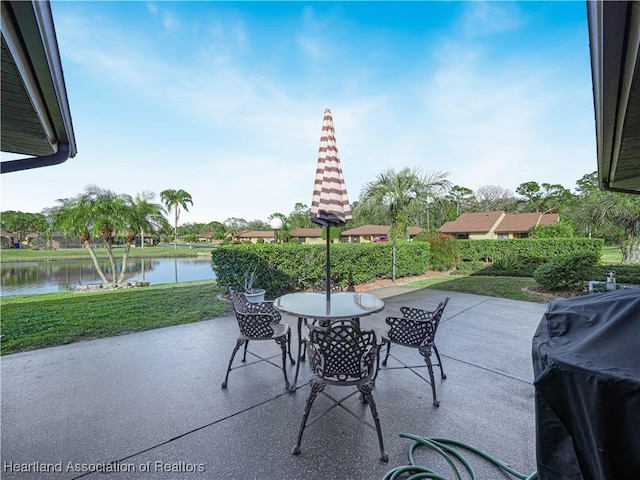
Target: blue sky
{"x": 225, "y": 99}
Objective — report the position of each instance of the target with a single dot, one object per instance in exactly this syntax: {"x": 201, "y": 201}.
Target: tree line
{"x": 403, "y": 198}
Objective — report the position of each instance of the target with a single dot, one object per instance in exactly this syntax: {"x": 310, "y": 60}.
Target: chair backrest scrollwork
{"x": 416, "y": 327}
{"x": 342, "y": 353}
{"x": 238, "y": 300}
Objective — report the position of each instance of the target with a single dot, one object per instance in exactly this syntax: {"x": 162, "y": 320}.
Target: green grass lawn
{"x": 36, "y": 321}
{"x": 611, "y": 254}
{"x": 503, "y": 287}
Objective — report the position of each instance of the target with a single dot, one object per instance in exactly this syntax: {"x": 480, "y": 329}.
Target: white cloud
{"x": 489, "y": 17}
{"x": 170, "y": 22}
{"x": 311, "y": 47}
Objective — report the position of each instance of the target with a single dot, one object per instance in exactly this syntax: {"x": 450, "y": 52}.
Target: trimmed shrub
{"x": 288, "y": 266}
{"x": 570, "y": 272}
{"x": 541, "y": 249}
{"x": 628, "y": 273}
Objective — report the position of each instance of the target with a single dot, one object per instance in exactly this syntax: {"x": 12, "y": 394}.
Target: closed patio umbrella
{"x": 330, "y": 205}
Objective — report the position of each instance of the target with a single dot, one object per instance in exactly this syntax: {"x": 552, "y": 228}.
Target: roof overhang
{"x": 35, "y": 115}
{"x": 614, "y": 33}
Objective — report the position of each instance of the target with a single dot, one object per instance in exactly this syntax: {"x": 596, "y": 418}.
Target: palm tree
{"x": 97, "y": 212}
{"x": 73, "y": 218}
{"x": 613, "y": 213}
{"x": 395, "y": 196}
{"x": 108, "y": 211}
{"x": 100, "y": 212}
{"x": 173, "y": 200}
{"x": 141, "y": 215}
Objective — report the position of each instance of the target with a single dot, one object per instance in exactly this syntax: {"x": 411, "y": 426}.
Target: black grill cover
{"x": 586, "y": 362}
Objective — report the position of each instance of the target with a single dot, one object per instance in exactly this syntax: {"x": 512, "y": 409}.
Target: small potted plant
{"x": 251, "y": 293}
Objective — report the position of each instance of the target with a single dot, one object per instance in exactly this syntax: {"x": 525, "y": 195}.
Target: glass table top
{"x": 340, "y": 305}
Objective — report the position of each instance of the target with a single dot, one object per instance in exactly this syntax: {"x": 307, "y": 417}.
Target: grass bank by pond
{"x": 36, "y": 321}
{"x": 29, "y": 255}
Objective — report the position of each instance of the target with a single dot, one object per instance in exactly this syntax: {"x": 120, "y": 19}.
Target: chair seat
{"x": 279, "y": 330}
{"x": 389, "y": 336}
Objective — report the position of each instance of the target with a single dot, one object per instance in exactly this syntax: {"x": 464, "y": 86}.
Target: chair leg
{"x": 246, "y": 345}
{"x": 283, "y": 345}
{"x": 426, "y": 353}
{"x": 365, "y": 389}
{"x": 316, "y": 387}
{"x": 239, "y": 342}
{"x": 384, "y": 362}
{"x": 375, "y": 375}
{"x": 293, "y": 362}
{"x": 435, "y": 349}
{"x": 303, "y": 355}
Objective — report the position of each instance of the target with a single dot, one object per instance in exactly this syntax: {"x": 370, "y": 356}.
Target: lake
{"x": 23, "y": 278}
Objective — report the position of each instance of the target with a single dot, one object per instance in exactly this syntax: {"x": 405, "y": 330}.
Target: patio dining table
{"x": 314, "y": 305}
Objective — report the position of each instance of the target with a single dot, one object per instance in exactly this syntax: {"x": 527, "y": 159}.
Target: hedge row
{"x": 286, "y": 267}
{"x": 533, "y": 249}
{"x": 623, "y": 273}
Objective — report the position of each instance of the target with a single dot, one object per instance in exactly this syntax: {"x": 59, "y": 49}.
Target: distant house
{"x": 413, "y": 231}
{"x": 8, "y": 239}
{"x": 254, "y": 235}
{"x": 519, "y": 225}
{"x": 371, "y": 233}
{"x": 307, "y": 235}
{"x": 205, "y": 237}
{"x": 496, "y": 224}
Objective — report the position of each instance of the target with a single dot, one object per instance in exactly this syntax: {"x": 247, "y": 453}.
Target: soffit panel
{"x": 22, "y": 131}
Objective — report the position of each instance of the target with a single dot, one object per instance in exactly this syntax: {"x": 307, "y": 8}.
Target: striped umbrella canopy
{"x": 329, "y": 205}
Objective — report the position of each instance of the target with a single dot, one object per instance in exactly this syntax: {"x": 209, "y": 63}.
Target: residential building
{"x": 372, "y": 233}
{"x": 496, "y": 225}
{"x": 307, "y": 235}
{"x": 254, "y": 235}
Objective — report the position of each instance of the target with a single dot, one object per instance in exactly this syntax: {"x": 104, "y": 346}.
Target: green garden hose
{"x": 443, "y": 447}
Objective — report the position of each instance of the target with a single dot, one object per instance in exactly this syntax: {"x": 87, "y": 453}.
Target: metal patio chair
{"x": 259, "y": 321}
{"x": 343, "y": 355}
{"x": 417, "y": 329}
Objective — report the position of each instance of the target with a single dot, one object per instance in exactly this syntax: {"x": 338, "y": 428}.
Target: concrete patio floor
{"x": 153, "y": 402}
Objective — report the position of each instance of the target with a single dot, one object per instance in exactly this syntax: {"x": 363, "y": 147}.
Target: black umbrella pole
{"x": 328, "y": 267}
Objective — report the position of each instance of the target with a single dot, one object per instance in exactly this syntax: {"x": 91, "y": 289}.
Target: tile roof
{"x": 256, "y": 234}
{"x": 476, "y": 222}
{"x": 368, "y": 230}
{"x": 524, "y": 222}
{"x": 482, "y": 222}
{"x": 549, "y": 218}
{"x": 306, "y": 232}
{"x": 378, "y": 230}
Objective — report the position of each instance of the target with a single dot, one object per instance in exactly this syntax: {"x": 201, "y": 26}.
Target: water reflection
{"x": 21, "y": 278}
